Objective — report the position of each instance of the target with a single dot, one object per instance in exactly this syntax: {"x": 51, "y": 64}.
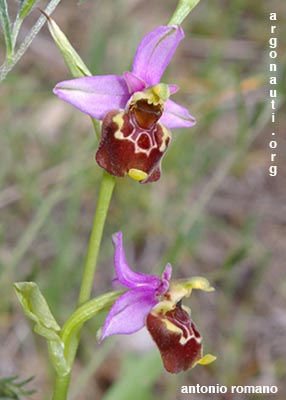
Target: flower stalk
{"x": 71, "y": 330}
{"x": 104, "y": 198}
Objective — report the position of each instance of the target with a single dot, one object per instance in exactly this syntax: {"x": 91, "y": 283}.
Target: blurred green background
{"x": 215, "y": 212}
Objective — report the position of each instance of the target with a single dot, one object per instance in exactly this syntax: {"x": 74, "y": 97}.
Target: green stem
{"x": 72, "y": 329}
{"x": 61, "y": 387}
{"x": 82, "y": 314}
{"x": 70, "y": 335}
{"x": 5, "y": 22}
{"x": 184, "y": 7}
{"x": 104, "y": 198}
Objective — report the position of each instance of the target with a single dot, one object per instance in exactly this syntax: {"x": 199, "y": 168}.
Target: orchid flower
{"x": 135, "y": 108}
{"x": 156, "y": 303}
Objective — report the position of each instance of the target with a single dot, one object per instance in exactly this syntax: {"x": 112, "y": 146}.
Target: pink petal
{"x": 125, "y": 275}
{"x": 176, "y": 116}
{"x": 134, "y": 83}
{"x": 155, "y": 52}
{"x": 94, "y": 95}
{"x": 167, "y": 272}
{"x": 128, "y": 313}
{"x": 173, "y": 88}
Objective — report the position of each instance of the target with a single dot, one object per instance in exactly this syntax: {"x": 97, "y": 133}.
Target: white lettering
{"x": 273, "y": 93}
{"x": 273, "y": 42}
{"x": 273, "y": 17}
{"x": 214, "y": 389}
{"x": 272, "y": 79}
{"x": 273, "y": 172}
{"x": 273, "y": 144}
{"x": 254, "y": 389}
{"x": 273, "y": 67}
{"x": 273, "y": 54}
{"x": 184, "y": 390}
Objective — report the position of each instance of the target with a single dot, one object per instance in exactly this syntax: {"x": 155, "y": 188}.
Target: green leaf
{"x": 6, "y": 26}
{"x": 36, "y": 309}
{"x": 26, "y": 6}
{"x": 73, "y": 61}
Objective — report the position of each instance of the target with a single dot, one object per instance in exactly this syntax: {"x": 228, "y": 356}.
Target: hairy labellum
{"x": 177, "y": 338}
{"x": 134, "y": 142}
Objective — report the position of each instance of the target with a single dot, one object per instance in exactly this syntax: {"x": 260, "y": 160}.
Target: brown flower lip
{"x": 134, "y": 141}
{"x": 176, "y": 337}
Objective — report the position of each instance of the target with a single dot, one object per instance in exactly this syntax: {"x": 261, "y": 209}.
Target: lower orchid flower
{"x": 135, "y": 108}
{"x": 156, "y": 303}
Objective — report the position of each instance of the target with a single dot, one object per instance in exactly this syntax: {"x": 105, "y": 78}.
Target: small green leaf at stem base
{"x": 36, "y": 308}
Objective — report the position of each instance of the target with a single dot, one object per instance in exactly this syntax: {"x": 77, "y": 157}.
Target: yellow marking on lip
{"x": 137, "y": 174}
{"x": 118, "y": 119}
{"x": 207, "y": 359}
{"x": 166, "y": 134}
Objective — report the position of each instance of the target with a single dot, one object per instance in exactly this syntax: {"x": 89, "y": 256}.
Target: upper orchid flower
{"x": 135, "y": 108}
{"x": 157, "y": 303}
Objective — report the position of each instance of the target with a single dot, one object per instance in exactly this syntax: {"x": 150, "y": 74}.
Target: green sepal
{"x": 36, "y": 308}
{"x": 72, "y": 59}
